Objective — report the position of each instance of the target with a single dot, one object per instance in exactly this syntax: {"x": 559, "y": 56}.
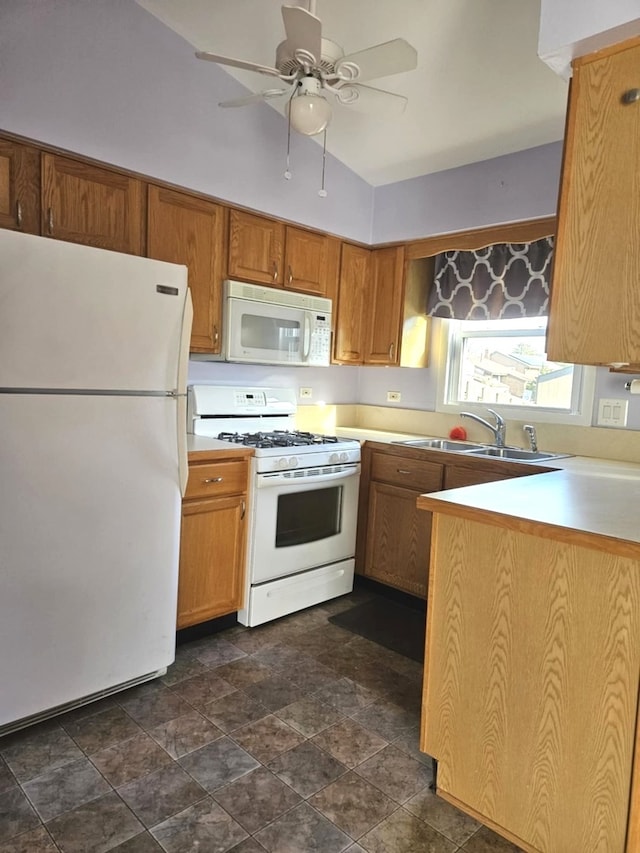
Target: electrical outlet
{"x": 612, "y": 412}
{"x": 305, "y": 393}
{"x": 393, "y": 396}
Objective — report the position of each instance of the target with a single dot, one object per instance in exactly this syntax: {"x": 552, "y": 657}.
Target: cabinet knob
{"x": 19, "y": 214}
{"x": 630, "y": 96}
{"x": 213, "y": 480}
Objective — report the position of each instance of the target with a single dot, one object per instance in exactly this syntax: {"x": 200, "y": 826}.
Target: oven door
{"x": 302, "y": 519}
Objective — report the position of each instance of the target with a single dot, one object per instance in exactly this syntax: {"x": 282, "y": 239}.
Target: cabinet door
{"x": 211, "y": 580}
{"x": 187, "y": 230}
{"x": 311, "y": 262}
{"x": 350, "y": 323}
{"x": 385, "y": 304}
{"x": 595, "y": 303}
{"x": 86, "y": 204}
{"x": 19, "y": 187}
{"x": 256, "y": 248}
{"x": 398, "y": 539}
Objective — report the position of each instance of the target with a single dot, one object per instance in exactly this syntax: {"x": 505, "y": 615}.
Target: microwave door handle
{"x": 306, "y": 345}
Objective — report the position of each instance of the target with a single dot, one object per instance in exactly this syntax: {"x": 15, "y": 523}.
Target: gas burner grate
{"x": 277, "y": 438}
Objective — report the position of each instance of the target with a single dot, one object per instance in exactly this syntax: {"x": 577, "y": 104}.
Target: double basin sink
{"x": 515, "y": 454}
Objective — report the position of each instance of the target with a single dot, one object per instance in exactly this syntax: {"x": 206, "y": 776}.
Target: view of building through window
{"x": 504, "y": 362}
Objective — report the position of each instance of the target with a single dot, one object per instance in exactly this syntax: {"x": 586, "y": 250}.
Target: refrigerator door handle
{"x": 183, "y": 366}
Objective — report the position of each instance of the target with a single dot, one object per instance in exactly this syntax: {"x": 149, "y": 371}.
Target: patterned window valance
{"x": 503, "y": 281}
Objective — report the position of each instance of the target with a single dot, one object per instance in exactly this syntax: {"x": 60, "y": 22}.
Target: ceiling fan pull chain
{"x": 287, "y": 173}
{"x": 322, "y": 192}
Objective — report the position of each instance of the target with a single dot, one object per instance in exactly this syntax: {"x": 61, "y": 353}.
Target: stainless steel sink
{"x": 442, "y": 444}
{"x": 517, "y": 454}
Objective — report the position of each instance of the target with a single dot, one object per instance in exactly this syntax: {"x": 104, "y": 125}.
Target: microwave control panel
{"x": 320, "y": 345}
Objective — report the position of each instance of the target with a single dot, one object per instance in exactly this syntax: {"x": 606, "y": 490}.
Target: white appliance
{"x": 265, "y": 325}
{"x": 93, "y": 361}
{"x": 304, "y": 498}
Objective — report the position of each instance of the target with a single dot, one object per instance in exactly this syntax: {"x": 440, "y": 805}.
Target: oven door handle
{"x": 266, "y": 481}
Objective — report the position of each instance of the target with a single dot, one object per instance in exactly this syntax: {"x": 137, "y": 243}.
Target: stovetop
{"x": 279, "y": 438}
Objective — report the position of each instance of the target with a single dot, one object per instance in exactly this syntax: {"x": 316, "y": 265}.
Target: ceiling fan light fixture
{"x": 309, "y": 111}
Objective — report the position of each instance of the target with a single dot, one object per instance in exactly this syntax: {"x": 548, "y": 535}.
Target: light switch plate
{"x": 612, "y": 412}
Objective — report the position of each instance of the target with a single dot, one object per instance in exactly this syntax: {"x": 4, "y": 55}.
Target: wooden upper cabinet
{"x": 19, "y": 187}
{"x": 86, "y": 204}
{"x": 266, "y": 251}
{"x": 256, "y": 248}
{"x": 384, "y": 300}
{"x": 595, "y": 302}
{"x": 350, "y": 313}
{"x": 311, "y": 262}
{"x": 184, "y": 229}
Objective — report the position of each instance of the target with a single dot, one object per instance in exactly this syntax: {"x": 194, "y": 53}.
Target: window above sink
{"x": 503, "y": 363}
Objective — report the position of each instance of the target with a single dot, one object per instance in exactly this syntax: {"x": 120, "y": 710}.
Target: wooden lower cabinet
{"x": 394, "y": 537}
{"x": 531, "y": 683}
{"x": 213, "y": 541}
{"x": 396, "y": 543}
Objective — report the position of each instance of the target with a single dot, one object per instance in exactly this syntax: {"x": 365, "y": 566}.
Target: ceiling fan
{"x": 313, "y": 66}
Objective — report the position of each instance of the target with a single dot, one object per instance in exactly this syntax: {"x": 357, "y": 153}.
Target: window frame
{"x": 447, "y": 352}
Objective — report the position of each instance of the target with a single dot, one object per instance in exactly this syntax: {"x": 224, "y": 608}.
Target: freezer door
{"x": 75, "y": 317}
{"x": 89, "y": 544}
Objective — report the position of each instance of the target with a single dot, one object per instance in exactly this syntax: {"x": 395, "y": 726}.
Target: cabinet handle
{"x": 216, "y": 335}
{"x": 275, "y": 271}
{"x": 402, "y": 471}
{"x": 630, "y": 96}
{"x": 243, "y": 506}
{"x": 290, "y": 274}
{"x": 19, "y": 214}
{"x": 392, "y": 349}
{"x": 50, "y": 220}
{"x": 214, "y": 480}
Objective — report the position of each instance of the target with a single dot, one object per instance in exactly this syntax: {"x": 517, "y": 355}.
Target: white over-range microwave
{"x": 265, "y": 325}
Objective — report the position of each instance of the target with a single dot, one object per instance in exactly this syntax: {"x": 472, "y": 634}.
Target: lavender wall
{"x": 106, "y": 79}
{"x": 523, "y": 185}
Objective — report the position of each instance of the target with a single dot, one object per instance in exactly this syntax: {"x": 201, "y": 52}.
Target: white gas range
{"x": 304, "y": 498}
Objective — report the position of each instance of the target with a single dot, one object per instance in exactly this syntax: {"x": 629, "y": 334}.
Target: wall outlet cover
{"x": 305, "y": 393}
{"x": 393, "y": 396}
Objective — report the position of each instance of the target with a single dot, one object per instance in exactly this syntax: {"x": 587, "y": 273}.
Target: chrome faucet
{"x": 531, "y": 432}
{"x": 498, "y": 430}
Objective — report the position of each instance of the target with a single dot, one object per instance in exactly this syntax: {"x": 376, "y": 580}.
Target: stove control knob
{"x": 344, "y": 457}
{"x": 282, "y": 463}
{"x": 293, "y": 462}
{"x": 334, "y": 458}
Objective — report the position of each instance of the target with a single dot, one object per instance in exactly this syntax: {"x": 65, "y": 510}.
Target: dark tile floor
{"x": 295, "y": 736}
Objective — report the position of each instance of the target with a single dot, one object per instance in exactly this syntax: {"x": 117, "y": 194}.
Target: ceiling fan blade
{"x": 381, "y": 60}
{"x": 258, "y": 98}
{"x": 370, "y": 100}
{"x": 237, "y": 63}
{"x": 304, "y": 30}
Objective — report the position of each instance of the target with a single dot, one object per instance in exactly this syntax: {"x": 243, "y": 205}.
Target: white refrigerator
{"x": 93, "y": 362}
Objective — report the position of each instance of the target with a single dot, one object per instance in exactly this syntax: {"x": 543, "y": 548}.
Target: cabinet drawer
{"x": 411, "y": 473}
{"x": 216, "y": 478}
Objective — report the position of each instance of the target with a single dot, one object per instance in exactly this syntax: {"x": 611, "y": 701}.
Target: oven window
{"x": 272, "y": 333}
{"x": 308, "y": 516}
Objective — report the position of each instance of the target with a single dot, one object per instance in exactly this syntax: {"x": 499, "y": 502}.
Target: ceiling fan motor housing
{"x": 286, "y": 62}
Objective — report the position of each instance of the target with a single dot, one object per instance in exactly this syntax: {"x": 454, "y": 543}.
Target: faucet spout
{"x": 498, "y": 430}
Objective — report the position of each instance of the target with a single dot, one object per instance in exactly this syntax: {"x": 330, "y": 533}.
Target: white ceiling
{"x": 479, "y": 90}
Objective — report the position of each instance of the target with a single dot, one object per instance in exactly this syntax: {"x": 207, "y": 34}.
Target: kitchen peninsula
{"x": 533, "y": 658}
